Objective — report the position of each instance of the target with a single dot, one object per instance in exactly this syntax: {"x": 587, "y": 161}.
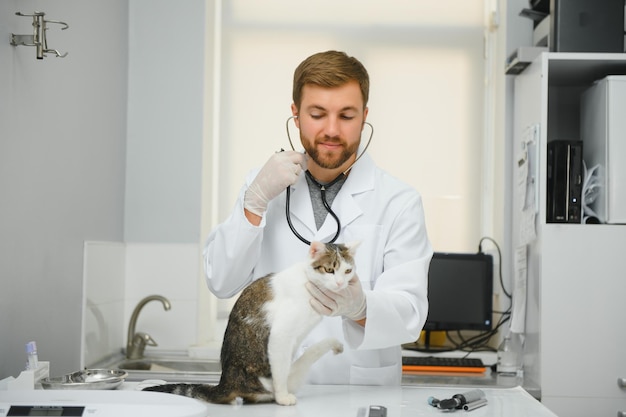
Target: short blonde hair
{"x": 330, "y": 69}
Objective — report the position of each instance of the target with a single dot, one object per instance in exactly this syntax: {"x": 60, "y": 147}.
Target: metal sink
{"x": 170, "y": 365}
{"x": 174, "y": 368}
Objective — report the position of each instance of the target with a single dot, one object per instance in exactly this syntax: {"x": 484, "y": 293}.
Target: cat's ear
{"x": 352, "y": 246}
{"x": 316, "y": 249}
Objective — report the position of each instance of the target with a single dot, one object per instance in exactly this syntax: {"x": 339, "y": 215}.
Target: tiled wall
{"x": 118, "y": 275}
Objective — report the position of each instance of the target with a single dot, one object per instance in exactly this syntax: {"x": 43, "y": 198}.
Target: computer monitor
{"x": 460, "y": 292}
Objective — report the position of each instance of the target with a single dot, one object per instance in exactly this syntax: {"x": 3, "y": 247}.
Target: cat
{"x": 268, "y": 322}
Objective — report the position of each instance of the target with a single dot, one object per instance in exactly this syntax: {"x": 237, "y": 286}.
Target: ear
{"x": 316, "y": 249}
{"x": 294, "y": 113}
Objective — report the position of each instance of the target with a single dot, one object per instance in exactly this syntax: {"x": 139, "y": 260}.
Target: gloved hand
{"x": 349, "y": 302}
{"x": 279, "y": 172}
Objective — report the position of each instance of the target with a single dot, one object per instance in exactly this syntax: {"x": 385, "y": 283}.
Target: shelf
{"x": 573, "y": 270}
{"x": 582, "y": 69}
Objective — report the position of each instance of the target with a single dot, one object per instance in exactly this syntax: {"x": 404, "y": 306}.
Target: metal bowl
{"x": 87, "y": 379}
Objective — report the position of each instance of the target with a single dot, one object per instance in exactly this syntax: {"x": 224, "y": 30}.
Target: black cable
{"x": 475, "y": 343}
{"x": 480, "y": 250}
{"x": 480, "y": 341}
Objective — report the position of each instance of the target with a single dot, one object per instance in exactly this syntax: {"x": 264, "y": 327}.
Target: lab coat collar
{"x": 360, "y": 180}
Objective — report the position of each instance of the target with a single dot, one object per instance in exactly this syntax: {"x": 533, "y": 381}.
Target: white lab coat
{"x": 392, "y": 262}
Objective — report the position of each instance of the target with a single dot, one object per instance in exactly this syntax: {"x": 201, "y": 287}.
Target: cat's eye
{"x": 347, "y": 271}
{"x": 329, "y": 270}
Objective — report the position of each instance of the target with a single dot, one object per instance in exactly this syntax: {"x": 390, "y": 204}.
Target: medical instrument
{"x": 322, "y": 187}
{"x": 474, "y": 405}
{"x": 467, "y": 401}
{"x": 372, "y": 411}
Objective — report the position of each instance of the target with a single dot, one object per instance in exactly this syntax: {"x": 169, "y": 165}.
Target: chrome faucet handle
{"x": 144, "y": 339}
{"x": 138, "y": 345}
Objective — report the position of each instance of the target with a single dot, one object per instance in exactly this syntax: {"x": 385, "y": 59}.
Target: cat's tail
{"x": 209, "y": 393}
{"x": 217, "y": 394}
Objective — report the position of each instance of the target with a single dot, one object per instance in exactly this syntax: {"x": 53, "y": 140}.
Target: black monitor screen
{"x": 460, "y": 292}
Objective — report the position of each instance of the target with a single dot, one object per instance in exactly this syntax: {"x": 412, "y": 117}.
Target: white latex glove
{"x": 349, "y": 302}
{"x": 279, "y": 172}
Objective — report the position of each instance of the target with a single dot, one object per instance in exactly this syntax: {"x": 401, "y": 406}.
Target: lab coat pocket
{"x": 384, "y": 375}
{"x": 369, "y": 259}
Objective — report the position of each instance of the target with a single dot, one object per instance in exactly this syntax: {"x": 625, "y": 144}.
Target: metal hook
{"x": 45, "y": 40}
{"x": 58, "y": 22}
{"x": 35, "y": 14}
{"x": 38, "y": 38}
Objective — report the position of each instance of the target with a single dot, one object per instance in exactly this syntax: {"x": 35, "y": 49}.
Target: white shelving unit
{"x": 575, "y": 350}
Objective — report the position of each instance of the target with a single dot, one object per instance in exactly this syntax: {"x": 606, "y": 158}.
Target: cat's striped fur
{"x": 266, "y": 325}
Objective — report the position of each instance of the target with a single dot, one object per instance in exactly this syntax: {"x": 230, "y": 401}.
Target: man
{"x": 386, "y": 304}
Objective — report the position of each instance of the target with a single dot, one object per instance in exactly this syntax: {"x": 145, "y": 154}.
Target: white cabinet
{"x": 575, "y": 349}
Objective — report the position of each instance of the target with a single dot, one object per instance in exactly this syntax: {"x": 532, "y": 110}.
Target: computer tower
{"x": 603, "y": 131}
{"x": 586, "y": 26}
{"x": 565, "y": 181}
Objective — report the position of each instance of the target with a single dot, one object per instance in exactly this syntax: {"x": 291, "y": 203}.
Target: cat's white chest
{"x": 290, "y": 304}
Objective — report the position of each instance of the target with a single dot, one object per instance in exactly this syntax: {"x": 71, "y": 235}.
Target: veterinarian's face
{"x": 330, "y": 122}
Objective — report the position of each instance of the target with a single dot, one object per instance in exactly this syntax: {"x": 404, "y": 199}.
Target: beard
{"x": 329, "y": 160}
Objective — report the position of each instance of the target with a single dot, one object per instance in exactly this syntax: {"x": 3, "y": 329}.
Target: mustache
{"x": 328, "y": 139}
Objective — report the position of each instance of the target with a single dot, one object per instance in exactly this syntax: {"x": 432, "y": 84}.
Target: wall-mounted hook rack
{"x": 38, "y": 38}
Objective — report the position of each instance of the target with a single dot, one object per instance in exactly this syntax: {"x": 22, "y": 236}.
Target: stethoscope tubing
{"x": 326, "y": 206}
{"x": 367, "y": 145}
{"x": 322, "y": 188}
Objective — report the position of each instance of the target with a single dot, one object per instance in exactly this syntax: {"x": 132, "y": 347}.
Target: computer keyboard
{"x": 442, "y": 364}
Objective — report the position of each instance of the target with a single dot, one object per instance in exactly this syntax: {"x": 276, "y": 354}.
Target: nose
{"x": 331, "y": 129}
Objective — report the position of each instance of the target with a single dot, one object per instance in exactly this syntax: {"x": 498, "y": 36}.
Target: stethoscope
{"x": 321, "y": 186}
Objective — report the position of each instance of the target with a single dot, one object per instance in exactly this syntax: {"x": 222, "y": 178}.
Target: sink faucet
{"x": 136, "y": 342}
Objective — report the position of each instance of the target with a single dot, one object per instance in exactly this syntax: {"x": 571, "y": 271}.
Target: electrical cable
{"x": 480, "y": 250}
{"x": 478, "y": 342}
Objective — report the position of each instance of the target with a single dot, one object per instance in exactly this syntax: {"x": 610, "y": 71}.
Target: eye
{"x": 329, "y": 270}
{"x": 347, "y": 271}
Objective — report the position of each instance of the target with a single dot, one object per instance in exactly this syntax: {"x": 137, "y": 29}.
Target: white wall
{"x": 68, "y": 174}
{"x": 165, "y": 121}
{"x": 62, "y": 165}
{"x": 104, "y": 292}
{"x": 169, "y": 124}
{"x": 118, "y": 276}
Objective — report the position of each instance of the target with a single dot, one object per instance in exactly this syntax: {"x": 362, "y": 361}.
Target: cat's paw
{"x": 337, "y": 347}
{"x": 286, "y": 399}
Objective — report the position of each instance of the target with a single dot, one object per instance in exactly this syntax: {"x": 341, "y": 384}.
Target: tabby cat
{"x": 267, "y": 324}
